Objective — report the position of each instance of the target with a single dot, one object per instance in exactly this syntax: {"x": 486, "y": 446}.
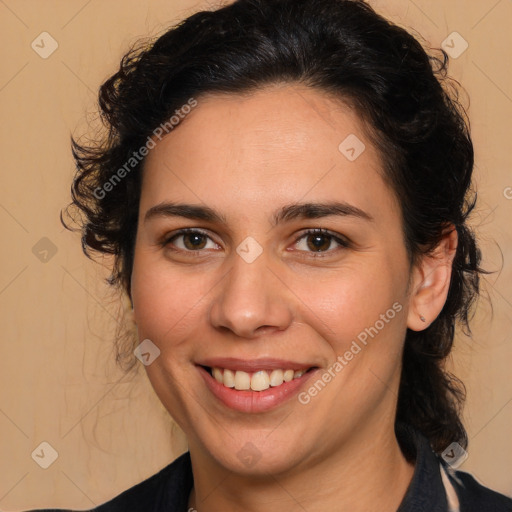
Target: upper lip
{"x": 250, "y": 365}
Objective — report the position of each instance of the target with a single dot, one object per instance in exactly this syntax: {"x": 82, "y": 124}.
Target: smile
{"x": 254, "y": 386}
{"x": 255, "y": 381}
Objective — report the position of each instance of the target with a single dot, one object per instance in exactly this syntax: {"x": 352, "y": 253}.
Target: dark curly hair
{"x": 342, "y": 47}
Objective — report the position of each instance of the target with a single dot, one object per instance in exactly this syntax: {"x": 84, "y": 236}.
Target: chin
{"x": 257, "y": 455}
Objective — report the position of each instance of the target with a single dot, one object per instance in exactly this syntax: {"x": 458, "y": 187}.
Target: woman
{"x": 285, "y": 187}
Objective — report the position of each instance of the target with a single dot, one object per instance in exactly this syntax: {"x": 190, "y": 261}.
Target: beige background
{"x": 59, "y": 383}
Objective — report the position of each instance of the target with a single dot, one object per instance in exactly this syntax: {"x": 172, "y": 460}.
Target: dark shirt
{"x": 429, "y": 490}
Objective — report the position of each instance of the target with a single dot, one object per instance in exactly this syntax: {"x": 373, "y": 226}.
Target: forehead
{"x": 275, "y": 145}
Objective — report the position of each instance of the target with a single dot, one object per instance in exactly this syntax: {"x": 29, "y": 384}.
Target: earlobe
{"x": 431, "y": 282}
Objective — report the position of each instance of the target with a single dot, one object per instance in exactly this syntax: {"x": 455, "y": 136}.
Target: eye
{"x": 319, "y": 241}
{"x": 190, "y": 240}
{"x": 312, "y": 241}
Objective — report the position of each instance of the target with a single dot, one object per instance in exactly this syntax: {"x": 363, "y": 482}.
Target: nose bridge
{"x": 251, "y": 296}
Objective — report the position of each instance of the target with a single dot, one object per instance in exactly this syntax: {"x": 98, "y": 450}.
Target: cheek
{"x": 363, "y": 324}
{"x": 360, "y": 315}
{"x": 163, "y": 303}
{"x": 352, "y": 300}
{"x": 167, "y": 312}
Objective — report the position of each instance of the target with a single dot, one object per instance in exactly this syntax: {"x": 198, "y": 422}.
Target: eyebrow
{"x": 285, "y": 214}
{"x": 318, "y": 210}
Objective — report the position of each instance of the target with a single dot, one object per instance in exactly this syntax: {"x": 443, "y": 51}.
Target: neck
{"x": 368, "y": 474}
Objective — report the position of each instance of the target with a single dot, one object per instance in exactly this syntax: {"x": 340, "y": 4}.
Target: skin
{"x": 246, "y": 156}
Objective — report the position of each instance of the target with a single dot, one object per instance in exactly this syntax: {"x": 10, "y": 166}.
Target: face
{"x": 292, "y": 259}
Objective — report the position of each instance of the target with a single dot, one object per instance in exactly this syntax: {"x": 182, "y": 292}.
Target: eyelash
{"x": 313, "y": 231}
{"x": 342, "y": 242}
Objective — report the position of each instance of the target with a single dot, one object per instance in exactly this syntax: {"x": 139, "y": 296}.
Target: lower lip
{"x": 254, "y": 401}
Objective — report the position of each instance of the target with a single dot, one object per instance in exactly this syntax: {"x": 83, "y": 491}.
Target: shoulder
{"x": 473, "y": 496}
{"x": 168, "y": 490}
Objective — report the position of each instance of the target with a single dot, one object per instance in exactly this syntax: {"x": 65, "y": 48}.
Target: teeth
{"x": 217, "y": 375}
{"x": 258, "y": 381}
{"x": 288, "y": 375}
{"x": 242, "y": 381}
{"x": 276, "y": 378}
{"x": 229, "y": 379}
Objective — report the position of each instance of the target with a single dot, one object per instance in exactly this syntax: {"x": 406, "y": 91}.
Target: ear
{"x": 430, "y": 282}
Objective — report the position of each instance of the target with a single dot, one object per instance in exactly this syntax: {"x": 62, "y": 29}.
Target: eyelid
{"x": 339, "y": 239}
{"x": 168, "y": 238}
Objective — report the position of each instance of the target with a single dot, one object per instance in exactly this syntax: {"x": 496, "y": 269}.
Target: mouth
{"x": 254, "y": 386}
{"x": 259, "y": 380}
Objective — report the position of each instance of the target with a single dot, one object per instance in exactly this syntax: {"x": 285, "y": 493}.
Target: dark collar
{"x": 426, "y": 492}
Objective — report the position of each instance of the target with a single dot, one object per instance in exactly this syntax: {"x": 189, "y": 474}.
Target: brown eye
{"x": 190, "y": 240}
{"x": 319, "y": 242}
{"x": 194, "y": 241}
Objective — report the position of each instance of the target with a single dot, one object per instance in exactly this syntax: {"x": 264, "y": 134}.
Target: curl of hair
{"x": 341, "y": 47}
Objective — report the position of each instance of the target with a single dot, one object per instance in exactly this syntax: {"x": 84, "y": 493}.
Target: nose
{"x": 251, "y": 299}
